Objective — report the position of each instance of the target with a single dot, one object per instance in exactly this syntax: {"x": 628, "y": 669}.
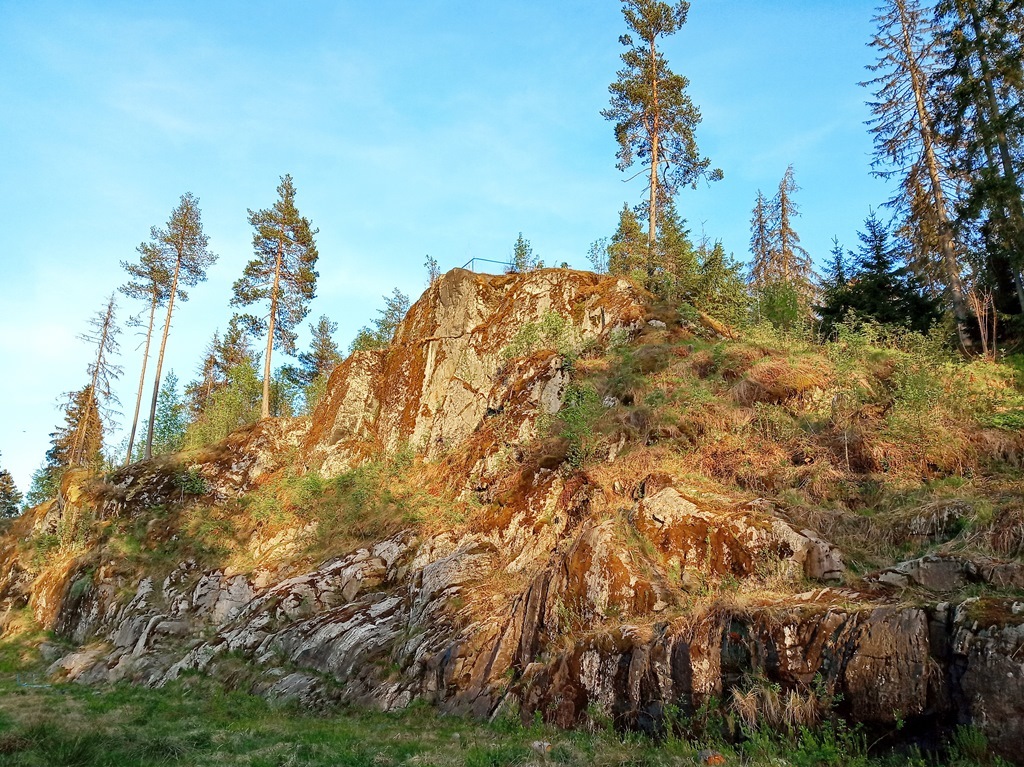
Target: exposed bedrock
{"x": 559, "y": 595}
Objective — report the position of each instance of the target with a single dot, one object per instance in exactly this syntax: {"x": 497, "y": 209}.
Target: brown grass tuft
{"x": 776, "y": 380}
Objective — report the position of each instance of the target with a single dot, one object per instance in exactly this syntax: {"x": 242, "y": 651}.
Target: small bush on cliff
{"x": 190, "y": 481}
{"x": 231, "y": 407}
{"x": 367, "y": 503}
{"x": 576, "y": 423}
{"x": 373, "y": 501}
{"x": 382, "y": 331}
{"x": 553, "y": 331}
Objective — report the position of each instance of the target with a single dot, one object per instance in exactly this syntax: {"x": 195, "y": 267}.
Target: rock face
{"x": 735, "y": 540}
{"x": 560, "y": 595}
{"x": 437, "y": 382}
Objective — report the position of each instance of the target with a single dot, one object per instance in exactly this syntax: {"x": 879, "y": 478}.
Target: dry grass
{"x": 776, "y": 380}
{"x": 764, "y": 705}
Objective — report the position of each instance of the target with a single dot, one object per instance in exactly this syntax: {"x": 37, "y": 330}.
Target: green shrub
{"x": 235, "y": 405}
{"x": 191, "y": 482}
{"x": 576, "y": 423}
{"x": 553, "y": 331}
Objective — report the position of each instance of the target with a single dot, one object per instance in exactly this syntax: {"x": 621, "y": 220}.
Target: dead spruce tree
{"x": 103, "y": 372}
{"x": 908, "y": 148}
{"x": 980, "y": 80}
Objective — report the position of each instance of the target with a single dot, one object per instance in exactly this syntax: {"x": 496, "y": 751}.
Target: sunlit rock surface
{"x": 559, "y": 596}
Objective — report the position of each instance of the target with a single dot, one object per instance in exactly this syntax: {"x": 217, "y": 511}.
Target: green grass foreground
{"x": 196, "y": 722}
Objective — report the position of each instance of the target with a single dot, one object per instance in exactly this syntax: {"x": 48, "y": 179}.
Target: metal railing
{"x": 470, "y": 264}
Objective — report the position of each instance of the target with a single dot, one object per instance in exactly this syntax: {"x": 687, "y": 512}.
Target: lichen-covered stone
{"x": 558, "y": 596}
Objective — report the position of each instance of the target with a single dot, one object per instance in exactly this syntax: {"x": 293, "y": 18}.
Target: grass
{"x": 194, "y": 722}
{"x": 855, "y": 439}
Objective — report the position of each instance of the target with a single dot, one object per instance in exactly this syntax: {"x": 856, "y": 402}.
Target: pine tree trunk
{"x": 160, "y": 360}
{"x": 265, "y": 411}
{"x": 652, "y": 219}
{"x": 142, "y": 382}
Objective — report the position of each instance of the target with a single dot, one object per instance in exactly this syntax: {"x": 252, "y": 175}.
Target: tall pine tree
{"x": 184, "y": 253}
{"x": 283, "y": 274}
{"x": 655, "y": 120}
{"x": 150, "y": 282}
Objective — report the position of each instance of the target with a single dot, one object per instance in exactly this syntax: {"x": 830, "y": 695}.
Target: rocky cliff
{"x": 428, "y": 534}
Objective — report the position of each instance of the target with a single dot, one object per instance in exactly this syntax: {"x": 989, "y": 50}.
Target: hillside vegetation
{"x": 553, "y": 499}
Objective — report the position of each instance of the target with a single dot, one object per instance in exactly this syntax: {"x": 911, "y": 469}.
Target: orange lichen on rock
{"x": 440, "y": 378}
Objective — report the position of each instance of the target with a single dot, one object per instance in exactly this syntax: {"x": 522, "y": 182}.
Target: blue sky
{"x": 409, "y": 128}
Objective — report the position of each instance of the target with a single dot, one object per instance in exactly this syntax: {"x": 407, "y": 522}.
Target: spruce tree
{"x": 222, "y": 354}
{"x": 323, "y": 355}
{"x": 775, "y": 246}
{"x": 382, "y": 333}
{"x": 78, "y": 442}
{"x": 150, "y": 281}
{"x": 185, "y": 254}
{"x": 908, "y": 147}
{"x": 720, "y": 289}
{"x": 654, "y": 118}
{"x": 169, "y": 427}
{"x": 781, "y": 270}
{"x": 881, "y": 288}
{"x": 234, "y": 404}
{"x": 677, "y": 263}
{"x": 198, "y": 392}
{"x": 10, "y": 496}
{"x": 628, "y": 251}
{"x": 283, "y": 274}
{"x": 523, "y": 258}
{"x": 837, "y": 272}
{"x": 981, "y": 79}
{"x": 45, "y": 485}
{"x": 794, "y": 261}
{"x": 316, "y": 365}
{"x": 762, "y": 243}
